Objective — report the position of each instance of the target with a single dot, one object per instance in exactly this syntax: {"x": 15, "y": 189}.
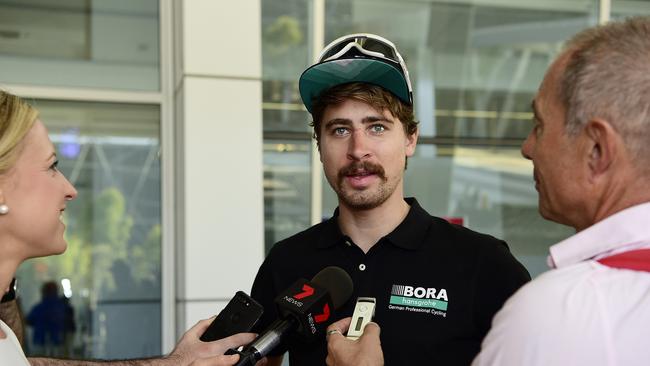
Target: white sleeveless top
{"x": 10, "y": 351}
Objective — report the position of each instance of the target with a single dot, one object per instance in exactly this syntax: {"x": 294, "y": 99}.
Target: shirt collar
{"x": 409, "y": 234}
{"x": 330, "y": 234}
{"x": 624, "y": 228}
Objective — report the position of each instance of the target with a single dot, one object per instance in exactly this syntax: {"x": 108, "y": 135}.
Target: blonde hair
{"x": 16, "y": 119}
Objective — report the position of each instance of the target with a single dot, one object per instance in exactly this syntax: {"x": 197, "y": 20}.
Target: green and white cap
{"x": 365, "y": 58}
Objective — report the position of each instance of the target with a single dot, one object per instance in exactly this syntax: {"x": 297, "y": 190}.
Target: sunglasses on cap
{"x": 364, "y": 58}
{"x": 366, "y": 45}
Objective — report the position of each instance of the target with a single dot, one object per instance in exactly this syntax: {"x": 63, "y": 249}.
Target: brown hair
{"x": 16, "y": 119}
{"x": 608, "y": 76}
{"x": 373, "y": 95}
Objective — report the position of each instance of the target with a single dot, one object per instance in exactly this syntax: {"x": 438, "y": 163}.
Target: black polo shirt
{"x": 437, "y": 286}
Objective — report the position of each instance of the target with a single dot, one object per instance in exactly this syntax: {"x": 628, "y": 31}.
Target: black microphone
{"x": 305, "y": 308}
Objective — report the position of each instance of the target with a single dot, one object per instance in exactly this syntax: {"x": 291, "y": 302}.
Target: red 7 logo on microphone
{"x": 324, "y": 316}
{"x": 306, "y": 292}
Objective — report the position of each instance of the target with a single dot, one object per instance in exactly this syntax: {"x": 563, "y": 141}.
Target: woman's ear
{"x": 4, "y": 209}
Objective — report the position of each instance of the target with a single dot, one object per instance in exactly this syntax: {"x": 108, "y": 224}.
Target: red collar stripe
{"x": 636, "y": 260}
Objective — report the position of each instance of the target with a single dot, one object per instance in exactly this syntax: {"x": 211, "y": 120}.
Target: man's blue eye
{"x": 378, "y": 128}
{"x": 340, "y": 130}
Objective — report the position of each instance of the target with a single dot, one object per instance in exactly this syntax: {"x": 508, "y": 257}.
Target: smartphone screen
{"x": 240, "y": 315}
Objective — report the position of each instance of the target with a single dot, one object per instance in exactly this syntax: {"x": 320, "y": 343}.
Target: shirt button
{"x": 362, "y": 267}
{"x": 347, "y": 242}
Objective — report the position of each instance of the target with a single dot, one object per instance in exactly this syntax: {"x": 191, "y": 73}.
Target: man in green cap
{"x": 436, "y": 285}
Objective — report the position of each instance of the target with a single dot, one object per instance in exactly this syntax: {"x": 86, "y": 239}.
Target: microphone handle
{"x": 265, "y": 343}
{"x": 245, "y": 359}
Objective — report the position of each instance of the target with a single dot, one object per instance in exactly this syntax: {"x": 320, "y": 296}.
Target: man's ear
{"x": 603, "y": 144}
{"x": 411, "y": 142}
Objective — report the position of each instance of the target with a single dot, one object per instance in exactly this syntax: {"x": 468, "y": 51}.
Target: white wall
{"x": 218, "y": 91}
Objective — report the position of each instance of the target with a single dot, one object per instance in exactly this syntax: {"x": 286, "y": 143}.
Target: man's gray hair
{"x": 608, "y": 76}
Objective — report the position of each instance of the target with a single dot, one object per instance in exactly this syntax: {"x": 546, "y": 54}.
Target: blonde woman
{"x": 33, "y": 197}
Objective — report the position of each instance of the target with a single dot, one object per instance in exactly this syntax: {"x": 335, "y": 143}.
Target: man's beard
{"x": 366, "y": 199}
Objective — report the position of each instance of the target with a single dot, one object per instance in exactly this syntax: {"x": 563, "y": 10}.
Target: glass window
{"x": 110, "y": 273}
{"x": 79, "y": 43}
{"x": 287, "y": 188}
{"x": 629, "y": 8}
{"x": 474, "y": 67}
{"x": 286, "y": 44}
{"x": 489, "y": 189}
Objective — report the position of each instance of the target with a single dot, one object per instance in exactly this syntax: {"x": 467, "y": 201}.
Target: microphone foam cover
{"x": 337, "y": 282}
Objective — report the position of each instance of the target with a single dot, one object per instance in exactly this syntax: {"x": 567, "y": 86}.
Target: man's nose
{"x": 527, "y": 147}
{"x": 359, "y": 146}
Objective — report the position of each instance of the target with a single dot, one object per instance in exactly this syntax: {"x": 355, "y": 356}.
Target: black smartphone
{"x": 240, "y": 315}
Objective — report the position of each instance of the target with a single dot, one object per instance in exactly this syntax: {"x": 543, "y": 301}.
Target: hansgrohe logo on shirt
{"x": 418, "y": 297}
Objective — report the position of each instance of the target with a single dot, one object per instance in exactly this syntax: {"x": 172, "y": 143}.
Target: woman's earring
{"x": 4, "y": 209}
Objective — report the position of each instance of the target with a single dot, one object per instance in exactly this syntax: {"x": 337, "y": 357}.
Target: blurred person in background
{"x": 47, "y": 319}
